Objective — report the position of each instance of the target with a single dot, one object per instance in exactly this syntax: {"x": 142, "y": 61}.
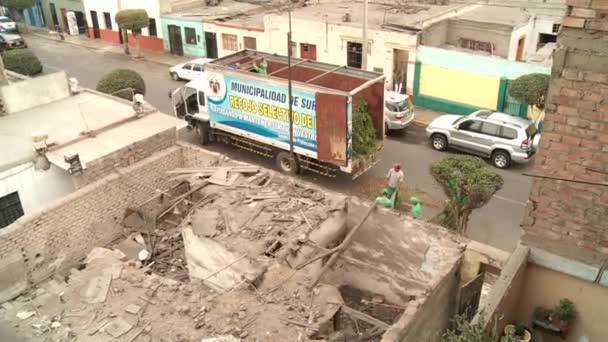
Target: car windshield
{"x": 5, "y": 20}
{"x": 459, "y": 120}
{"x": 398, "y": 107}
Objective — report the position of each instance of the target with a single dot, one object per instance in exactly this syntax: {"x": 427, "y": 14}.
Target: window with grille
{"x": 229, "y": 42}
{"x": 476, "y": 45}
{"x": 555, "y": 28}
{"x": 250, "y": 43}
{"x": 190, "y": 36}
{"x": 354, "y": 55}
{"x": 152, "y": 27}
{"x": 10, "y": 209}
{"x": 108, "y": 19}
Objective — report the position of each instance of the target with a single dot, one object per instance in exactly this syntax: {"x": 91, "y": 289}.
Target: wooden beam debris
{"x": 364, "y": 317}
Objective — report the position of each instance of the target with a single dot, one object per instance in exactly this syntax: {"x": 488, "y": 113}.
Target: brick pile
{"x": 574, "y": 144}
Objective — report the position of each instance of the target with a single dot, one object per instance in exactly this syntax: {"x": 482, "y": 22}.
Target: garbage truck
{"x": 236, "y": 103}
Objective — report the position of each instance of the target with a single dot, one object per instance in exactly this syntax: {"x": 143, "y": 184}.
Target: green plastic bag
{"x": 416, "y": 207}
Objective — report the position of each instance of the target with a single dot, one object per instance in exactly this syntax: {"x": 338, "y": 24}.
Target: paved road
{"x": 496, "y": 224}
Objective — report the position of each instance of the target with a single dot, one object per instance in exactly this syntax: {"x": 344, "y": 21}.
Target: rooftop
{"x": 511, "y": 16}
{"x": 507, "y": 15}
{"x": 378, "y": 14}
{"x": 64, "y": 120}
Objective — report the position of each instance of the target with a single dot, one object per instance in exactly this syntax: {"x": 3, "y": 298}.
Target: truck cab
{"x": 190, "y": 102}
{"x": 398, "y": 111}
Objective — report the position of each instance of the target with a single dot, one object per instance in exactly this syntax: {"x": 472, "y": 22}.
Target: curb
{"x": 94, "y": 48}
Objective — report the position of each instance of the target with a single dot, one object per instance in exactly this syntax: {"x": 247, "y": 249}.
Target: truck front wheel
{"x": 203, "y": 131}
{"x": 287, "y": 164}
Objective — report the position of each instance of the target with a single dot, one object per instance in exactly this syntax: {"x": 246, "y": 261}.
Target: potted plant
{"x": 519, "y": 331}
{"x": 563, "y": 314}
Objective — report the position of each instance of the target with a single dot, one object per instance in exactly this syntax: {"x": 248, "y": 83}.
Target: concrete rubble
{"x": 231, "y": 253}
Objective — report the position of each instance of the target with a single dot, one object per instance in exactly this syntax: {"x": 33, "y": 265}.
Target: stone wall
{"x": 572, "y": 207}
{"x": 124, "y": 157}
{"x": 56, "y": 237}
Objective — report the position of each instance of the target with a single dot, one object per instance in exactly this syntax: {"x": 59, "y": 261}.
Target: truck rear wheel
{"x": 287, "y": 164}
{"x": 203, "y": 131}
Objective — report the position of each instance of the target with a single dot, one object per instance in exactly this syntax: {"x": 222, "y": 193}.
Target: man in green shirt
{"x": 262, "y": 69}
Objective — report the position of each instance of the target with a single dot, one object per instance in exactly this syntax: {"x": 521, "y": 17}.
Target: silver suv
{"x": 501, "y": 137}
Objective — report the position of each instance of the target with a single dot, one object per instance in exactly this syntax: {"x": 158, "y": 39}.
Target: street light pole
{"x": 364, "y": 45}
{"x": 289, "y": 91}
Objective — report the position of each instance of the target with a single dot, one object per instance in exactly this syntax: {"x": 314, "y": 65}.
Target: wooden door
{"x": 308, "y": 51}
{"x": 95, "y": 22}
{"x": 400, "y": 62}
{"x": 64, "y": 18}
{"x": 175, "y": 40}
{"x": 520, "y": 49}
{"x": 211, "y": 43}
{"x": 53, "y": 11}
{"x": 332, "y": 128}
{"x": 470, "y": 293}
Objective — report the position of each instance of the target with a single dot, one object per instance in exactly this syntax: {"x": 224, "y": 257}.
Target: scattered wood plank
{"x": 255, "y": 214}
{"x": 364, "y": 317}
{"x": 179, "y": 199}
{"x": 342, "y": 247}
{"x": 225, "y": 182}
{"x": 291, "y": 321}
{"x": 208, "y": 171}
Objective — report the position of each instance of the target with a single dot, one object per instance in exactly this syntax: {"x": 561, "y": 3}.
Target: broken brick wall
{"x": 126, "y": 156}
{"x": 574, "y": 144}
{"x": 56, "y": 237}
{"x": 426, "y": 318}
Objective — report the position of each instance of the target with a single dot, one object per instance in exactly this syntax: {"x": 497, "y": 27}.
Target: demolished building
{"x": 186, "y": 245}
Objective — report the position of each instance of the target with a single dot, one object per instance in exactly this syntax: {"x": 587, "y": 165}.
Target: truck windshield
{"x": 398, "y": 107}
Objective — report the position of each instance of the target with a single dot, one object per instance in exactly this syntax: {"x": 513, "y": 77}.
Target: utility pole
{"x": 364, "y": 45}
{"x": 289, "y": 92}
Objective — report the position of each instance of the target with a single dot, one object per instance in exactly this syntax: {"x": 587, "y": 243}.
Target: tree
{"x": 134, "y": 20}
{"x": 364, "y": 133}
{"x": 22, "y": 61}
{"x": 123, "y": 83}
{"x": 468, "y": 183}
{"x": 17, "y": 5}
{"x": 531, "y": 88}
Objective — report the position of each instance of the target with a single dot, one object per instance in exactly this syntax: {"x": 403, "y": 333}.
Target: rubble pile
{"x": 226, "y": 253}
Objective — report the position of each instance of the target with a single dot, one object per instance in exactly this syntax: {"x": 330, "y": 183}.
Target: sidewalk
{"x": 97, "y": 44}
{"x": 425, "y": 116}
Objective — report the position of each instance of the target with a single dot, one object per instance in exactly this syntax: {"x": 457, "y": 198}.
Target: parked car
{"x": 501, "y": 137}
{"x": 8, "y": 24}
{"x": 398, "y": 111}
{"x": 189, "y": 70}
{"x": 10, "y": 41}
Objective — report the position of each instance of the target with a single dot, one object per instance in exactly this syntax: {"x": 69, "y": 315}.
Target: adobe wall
{"x": 124, "y": 157}
{"x": 57, "y": 236}
{"x": 574, "y": 144}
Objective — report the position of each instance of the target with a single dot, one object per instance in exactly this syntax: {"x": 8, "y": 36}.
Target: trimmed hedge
{"x": 119, "y": 82}
{"x": 22, "y": 61}
{"x": 132, "y": 19}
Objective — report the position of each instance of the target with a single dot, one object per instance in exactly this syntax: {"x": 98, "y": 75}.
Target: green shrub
{"x": 123, "y": 83}
{"x": 364, "y": 133}
{"x": 22, "y": 61}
